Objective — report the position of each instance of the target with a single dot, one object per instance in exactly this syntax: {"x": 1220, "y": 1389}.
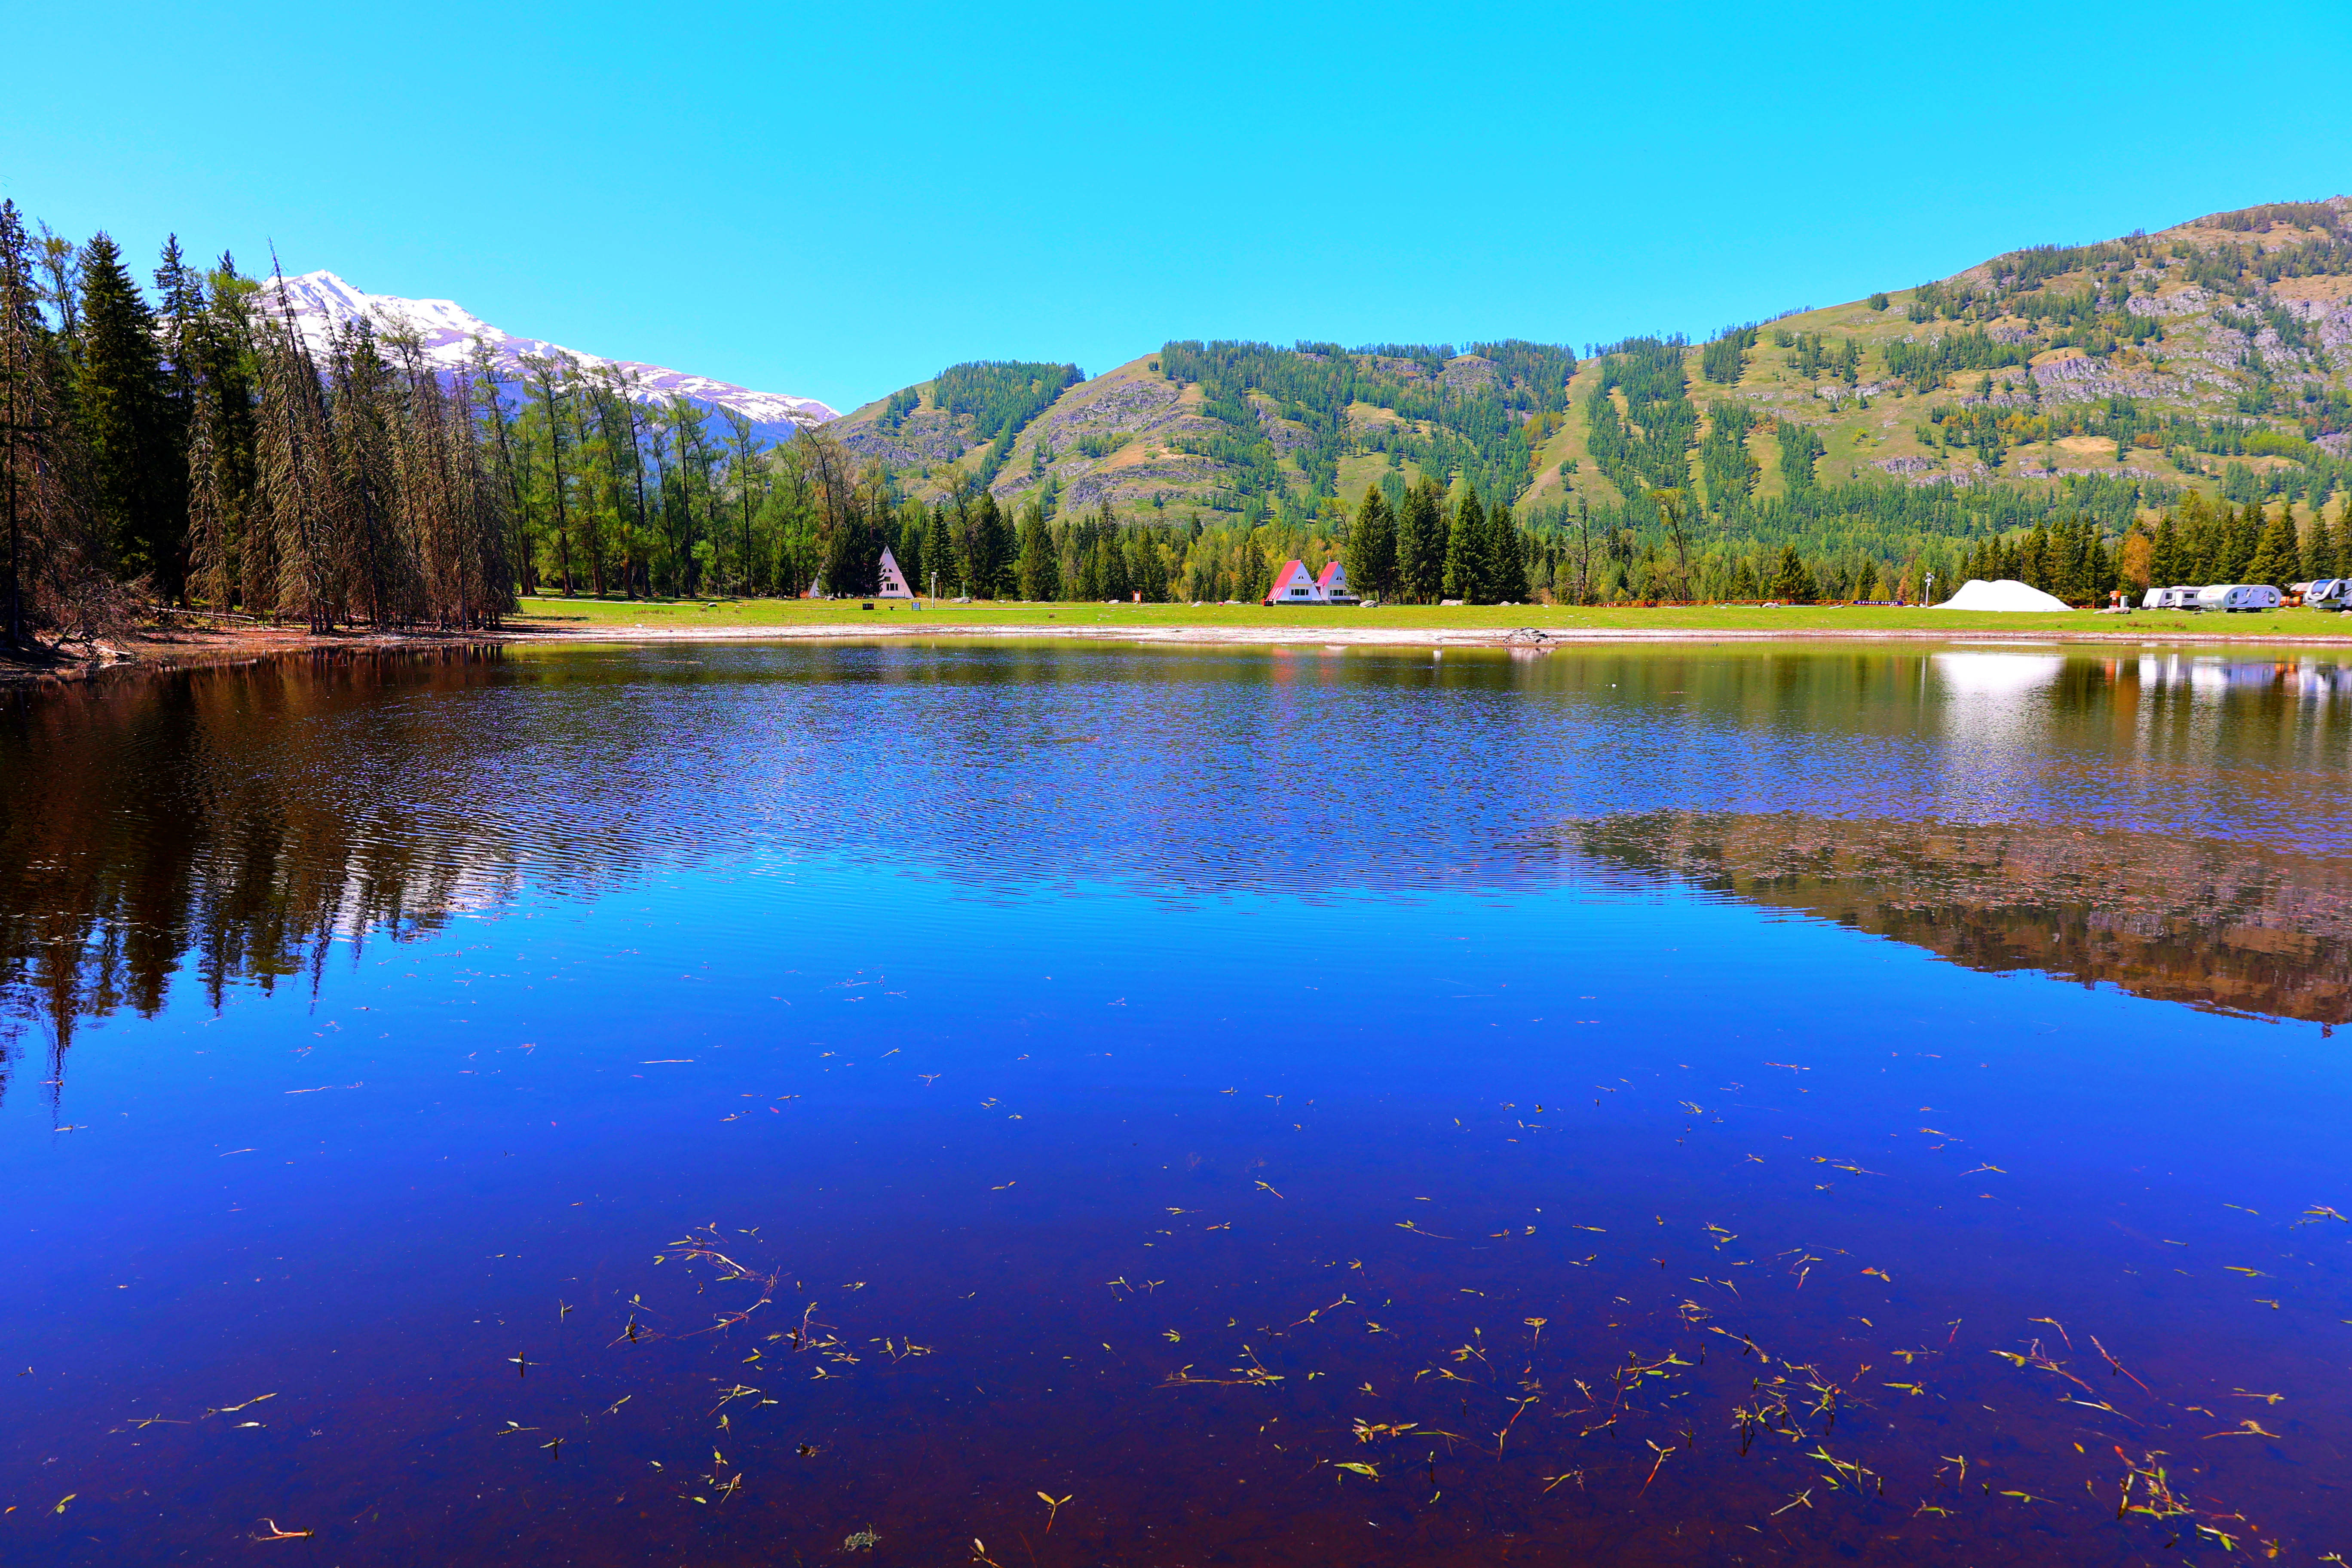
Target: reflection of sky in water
{"x": 1071, "y": 1032}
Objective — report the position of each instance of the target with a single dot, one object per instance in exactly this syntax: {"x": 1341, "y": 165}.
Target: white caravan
{"x": 2181, "y": 598}
{"x": 2233, "y": 598}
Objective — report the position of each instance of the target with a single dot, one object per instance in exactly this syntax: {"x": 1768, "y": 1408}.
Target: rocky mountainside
{"x": 2214, "y": 355}
{"x": 323, "y": 304}
{"x": 1232, "y": 428}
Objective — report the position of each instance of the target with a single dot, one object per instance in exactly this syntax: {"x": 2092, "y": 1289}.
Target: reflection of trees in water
{"x": 2233, "y": 926}
{"x": 236, "y": 823}
{"x": 137, "y": 834}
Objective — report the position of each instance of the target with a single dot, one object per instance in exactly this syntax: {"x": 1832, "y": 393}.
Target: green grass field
{"x": 605, "y": 616}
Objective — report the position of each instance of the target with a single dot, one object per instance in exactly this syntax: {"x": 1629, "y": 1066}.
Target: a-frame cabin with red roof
{"x": 1294, "y": 584}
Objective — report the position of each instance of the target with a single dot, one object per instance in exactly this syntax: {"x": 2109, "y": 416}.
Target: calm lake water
{"x": 1054, "y": 1106}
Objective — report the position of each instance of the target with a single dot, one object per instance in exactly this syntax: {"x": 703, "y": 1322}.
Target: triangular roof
{"x": 893, "y": 581}
{"x": 1294, "y": 573}
{"x": 1333, "y": 575}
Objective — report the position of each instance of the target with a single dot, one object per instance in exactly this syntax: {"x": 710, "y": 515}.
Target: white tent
{"x": 1976, "y": 593}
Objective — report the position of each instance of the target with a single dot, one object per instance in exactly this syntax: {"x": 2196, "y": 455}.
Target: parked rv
{"x": 2327, "y": 593}
{"x": 2233, "y": 598}
{"x": 2181, "y": 598}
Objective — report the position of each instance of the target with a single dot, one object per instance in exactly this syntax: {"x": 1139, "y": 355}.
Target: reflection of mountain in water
{"x": 2221, "y": 925}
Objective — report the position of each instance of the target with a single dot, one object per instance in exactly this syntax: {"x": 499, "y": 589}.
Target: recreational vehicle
{"x": 2327, "y": 593}
{"x": 2233, "y": 598}
{"x": 2181, "y": 598}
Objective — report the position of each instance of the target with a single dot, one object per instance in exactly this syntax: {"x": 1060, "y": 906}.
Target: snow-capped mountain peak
{"x": 322, "y": 304}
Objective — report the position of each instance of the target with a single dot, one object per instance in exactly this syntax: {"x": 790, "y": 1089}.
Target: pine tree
{"x": 211, "y": 566}
{"x": 2320, "y": 547}
{"x": 1110, "y": 564}
{"x": 1041, "y": 566}
{"x": 939, "y": 557}
{"x": 180, "y": 290}
{"x": 1420, "y": 545}
{"x": 2033, "y": 561}
{"x": 123, "y": 406}
{"x": 989, "y": 557}
{"x": 1792, "y": 584}
{"x": 2240, "y": 533}
{"x": 1507, "y": 558}
{"x": 221, "y": 434}
{"x": 294, "y": 500}
{"x": 1372, "y": 553}
{"x": 1467, "y": 574}
{"x": 2277, "y": 557}
{"x": 1146, "y": 566}
{"x": 51, "y": 572}
{"x": 374, "y": 575}
{"x": 451, "y": 529}
{"x": 2164, "y": 562}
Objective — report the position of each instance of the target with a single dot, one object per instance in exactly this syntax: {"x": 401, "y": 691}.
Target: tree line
{"x": 1428, "y": 549}
{"x": 194, "y": 448}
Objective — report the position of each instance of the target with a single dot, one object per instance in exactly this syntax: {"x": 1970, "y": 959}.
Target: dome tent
{"x": 2008, "y": 594}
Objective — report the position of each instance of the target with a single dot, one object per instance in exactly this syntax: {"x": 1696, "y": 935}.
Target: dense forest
{"x": 195, "y": 450}
{"x": 179, "y": 443}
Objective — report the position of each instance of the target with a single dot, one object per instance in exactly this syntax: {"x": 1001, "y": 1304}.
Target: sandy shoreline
{"x": 196, "y": 648}
{"x": 1383, "y": 636}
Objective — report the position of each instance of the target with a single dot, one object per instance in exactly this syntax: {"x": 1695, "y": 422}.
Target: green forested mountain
{"x": 1916, "y": 430}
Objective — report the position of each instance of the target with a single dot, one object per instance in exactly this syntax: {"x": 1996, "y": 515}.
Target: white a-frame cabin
{"x": 894, "y": 582}
{"x": 1294, "y": 584}
{"x": 1333, "y": 586}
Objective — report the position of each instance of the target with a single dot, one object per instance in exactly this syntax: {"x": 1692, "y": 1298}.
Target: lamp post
{"x": 1931, "y": 590}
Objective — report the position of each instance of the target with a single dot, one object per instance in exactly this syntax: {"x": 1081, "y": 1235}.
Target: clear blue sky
{"x": 836, "y": 201}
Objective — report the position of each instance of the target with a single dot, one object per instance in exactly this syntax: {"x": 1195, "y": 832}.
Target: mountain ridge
{"x": 323, "y": 304}
{"x": 2215, "y": 354}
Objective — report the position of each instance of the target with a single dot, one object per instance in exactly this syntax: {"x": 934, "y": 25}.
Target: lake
{"x": 1051, "y": 1105}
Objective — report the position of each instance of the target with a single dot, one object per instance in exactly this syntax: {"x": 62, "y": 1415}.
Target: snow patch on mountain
{"x": 322, "y": 304}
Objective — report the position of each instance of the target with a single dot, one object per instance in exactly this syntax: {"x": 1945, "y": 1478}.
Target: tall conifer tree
{"x": 2278, "y": 556}
{"x": 51, "y": 572}
{"x": 1506, "y": 558}
{"x": 2319, "y": 548}
{"x": 1792, "y": 583}
{"x": 1466, "y": 552}
{"x": 2163, "y": 567}
{"x": 939, "y": 555}
{"x": 1040, "y": 571}
{"x": 2241, "y": 532}
{"x": 1372, "y": 551}
{"x": 1421, "y": 545}
{"x": 120, "y": 399}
